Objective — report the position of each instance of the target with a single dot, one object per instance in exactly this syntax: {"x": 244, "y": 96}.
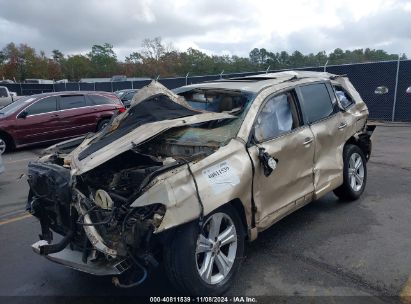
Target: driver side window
{"x": 278, "y": 116}
{"x": 45, "y": 105}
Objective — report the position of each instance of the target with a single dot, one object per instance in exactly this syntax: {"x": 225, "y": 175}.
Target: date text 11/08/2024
{"x": 236, "y": 299}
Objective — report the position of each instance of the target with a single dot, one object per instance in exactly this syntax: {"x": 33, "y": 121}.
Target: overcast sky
{"x": 214, "y": 26}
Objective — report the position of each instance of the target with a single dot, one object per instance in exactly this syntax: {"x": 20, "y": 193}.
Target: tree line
{"x": 156, "y": 58}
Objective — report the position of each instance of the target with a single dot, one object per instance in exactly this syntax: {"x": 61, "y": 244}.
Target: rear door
{"x": 280, "y": 132}
{"x": 76, "y": 115}
{"x": 321, "y": 112}
{"x": 40, "y": 124}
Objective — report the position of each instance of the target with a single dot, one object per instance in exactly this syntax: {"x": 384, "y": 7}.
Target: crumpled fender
{"x": 221, "y": 178}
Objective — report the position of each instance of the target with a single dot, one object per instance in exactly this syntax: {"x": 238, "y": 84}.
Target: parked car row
{"x": 55, "y": 116}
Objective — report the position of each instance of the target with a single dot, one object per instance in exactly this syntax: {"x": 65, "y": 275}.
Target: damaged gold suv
{"x": 184, "y": 178}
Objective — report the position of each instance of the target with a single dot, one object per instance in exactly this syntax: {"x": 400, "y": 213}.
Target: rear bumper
{"x": 365, "y": 140}
{"x": 73, "y": 259}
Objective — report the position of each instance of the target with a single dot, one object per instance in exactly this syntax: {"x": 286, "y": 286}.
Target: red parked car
{"x": 55, "y": 116}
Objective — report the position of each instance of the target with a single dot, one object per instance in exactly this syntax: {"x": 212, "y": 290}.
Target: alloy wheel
{"x": 356, "y": 172}
{"x": 2, "y": 146}
{"x": 216, "y": 248}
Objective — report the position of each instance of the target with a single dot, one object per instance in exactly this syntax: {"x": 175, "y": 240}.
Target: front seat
{"x": 226, "y": 104}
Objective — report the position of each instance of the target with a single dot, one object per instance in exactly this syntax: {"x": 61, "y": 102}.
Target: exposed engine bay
{"x": 92, "y": 211}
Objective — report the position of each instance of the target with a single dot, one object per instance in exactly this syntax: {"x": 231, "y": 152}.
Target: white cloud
{"x": 214, "y": 26}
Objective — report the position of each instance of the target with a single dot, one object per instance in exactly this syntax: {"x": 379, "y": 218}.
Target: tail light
{"x": 121, "y": 110}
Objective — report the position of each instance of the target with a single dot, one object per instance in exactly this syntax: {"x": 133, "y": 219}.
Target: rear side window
{"x": 316, "y": 102}
{"x": 72, "y": 102}
{"x": 45, "y": 105}
{"x": 344, "y": 98}
{"x": 100, "y": 100}
{"x": 129, "y": 96}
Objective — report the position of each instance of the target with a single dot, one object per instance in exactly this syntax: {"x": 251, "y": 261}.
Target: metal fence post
{"x": 395, "y": 90}
{"x": 187, "y": 77}
{"x": 325, "y": 66}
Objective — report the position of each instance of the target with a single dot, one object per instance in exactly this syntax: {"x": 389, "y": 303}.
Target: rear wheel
{"x": 102, "y": 124}
{"x": 204, "y": 261}
{"x": 354, "y": 172}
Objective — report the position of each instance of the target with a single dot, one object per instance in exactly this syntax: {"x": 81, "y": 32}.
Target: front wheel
{"x": 5, "y": 144}
{"x": 204, "y": 261}
{"x": 354, "y": 173}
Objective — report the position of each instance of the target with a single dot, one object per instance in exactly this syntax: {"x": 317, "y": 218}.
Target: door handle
{"x": 307, "y": 140}
{"x": 342, "y": 125}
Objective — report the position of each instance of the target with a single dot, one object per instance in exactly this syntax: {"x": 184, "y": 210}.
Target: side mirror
{"x": 268, "y": 162}
{"x": 23, "y": 114}
{"x": 408, "y": 90}
{"x": 382, "y": 90}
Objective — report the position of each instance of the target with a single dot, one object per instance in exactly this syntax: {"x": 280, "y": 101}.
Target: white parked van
{"x": 6, "y": 97}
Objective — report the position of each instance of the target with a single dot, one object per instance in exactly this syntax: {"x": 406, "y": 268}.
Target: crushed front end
{"x": 101, "y": 234}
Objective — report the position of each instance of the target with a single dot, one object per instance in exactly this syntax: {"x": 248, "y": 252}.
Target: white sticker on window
{"x": 222, "y": 177}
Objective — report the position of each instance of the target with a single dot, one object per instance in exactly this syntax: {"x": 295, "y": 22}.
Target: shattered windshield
{"x": 156, "y": 108}
{"x": 156, "y": 103}
{"x": 217, "y": 132}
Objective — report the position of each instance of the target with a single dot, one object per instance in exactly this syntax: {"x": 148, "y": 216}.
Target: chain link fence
{"x": 366, "y": 77}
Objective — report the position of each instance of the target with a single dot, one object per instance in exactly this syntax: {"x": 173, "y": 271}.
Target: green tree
{"x": 103, "y": 60}
{"x": 57, "y": 56}
{"x": 77, "y": 67}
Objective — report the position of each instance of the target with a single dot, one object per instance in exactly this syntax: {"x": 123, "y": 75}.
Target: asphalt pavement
{"x": 328, "y": 249}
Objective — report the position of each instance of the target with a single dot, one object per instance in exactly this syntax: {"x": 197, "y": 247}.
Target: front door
{"x": 40, "y": 124}
{"x": 280, "y": 132}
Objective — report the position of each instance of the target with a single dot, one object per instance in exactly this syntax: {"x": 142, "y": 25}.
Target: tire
{"x": 5, "y": 144}
{"x": 102, "y": 123}
{"x": 185, "y": 256}
{"x": 354, "y": 173}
